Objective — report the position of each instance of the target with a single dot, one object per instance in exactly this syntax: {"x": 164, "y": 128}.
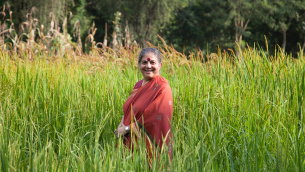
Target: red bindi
{"x": 148, "y": 59}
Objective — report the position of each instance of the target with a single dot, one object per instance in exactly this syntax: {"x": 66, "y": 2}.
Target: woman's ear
{"x": 161, "y": 64}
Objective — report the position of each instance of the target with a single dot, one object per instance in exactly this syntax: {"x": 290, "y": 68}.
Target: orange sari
{"x": 148, "y": 110}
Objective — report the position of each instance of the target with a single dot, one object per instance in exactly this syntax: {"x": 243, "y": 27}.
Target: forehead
{"x": 149, "y": 56}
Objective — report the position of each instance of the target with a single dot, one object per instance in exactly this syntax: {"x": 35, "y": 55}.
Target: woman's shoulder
{"x": 138, "y": 84}
{"x": 162, "y": 82}
{"x": 162, "y": 79}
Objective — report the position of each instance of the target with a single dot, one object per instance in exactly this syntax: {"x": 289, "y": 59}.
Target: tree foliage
{"x": 145, "y": 17}
{"x": 187, "y": 24}
{"x": 44, "y": 11}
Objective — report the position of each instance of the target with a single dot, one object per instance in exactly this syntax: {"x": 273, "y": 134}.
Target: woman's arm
{"x": 121, "y": 123}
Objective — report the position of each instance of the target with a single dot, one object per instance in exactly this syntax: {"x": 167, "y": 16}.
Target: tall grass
{"x": 59, "y": 113}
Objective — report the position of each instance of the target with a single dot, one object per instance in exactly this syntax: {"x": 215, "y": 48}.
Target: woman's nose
{"x": 148, "y": 65}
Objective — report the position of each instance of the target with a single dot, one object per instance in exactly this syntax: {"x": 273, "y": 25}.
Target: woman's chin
{"x": 148, "y": 77}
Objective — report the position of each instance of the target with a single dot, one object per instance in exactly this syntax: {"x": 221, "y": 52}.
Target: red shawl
{"x": 152, "y": 107}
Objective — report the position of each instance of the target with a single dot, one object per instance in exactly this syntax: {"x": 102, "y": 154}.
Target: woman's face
{"x": 149, "y": 66}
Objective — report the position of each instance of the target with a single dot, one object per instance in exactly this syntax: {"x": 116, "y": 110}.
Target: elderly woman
{"x": 148, "y": 109}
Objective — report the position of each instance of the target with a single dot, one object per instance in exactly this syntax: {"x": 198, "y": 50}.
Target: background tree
{"x": 202, "y": 24}
{"x": 40, "y": 10}
{"x": 207, "y": 24}
{"x": 240, "y": 14}
{"x": 301, "y": 27}
{"x": 145, "y": 17}
{"x": 281, "y": 14}
{"x": 187, "y": 24}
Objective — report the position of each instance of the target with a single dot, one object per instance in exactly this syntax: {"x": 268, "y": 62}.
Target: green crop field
{"x": 58, "y": 113}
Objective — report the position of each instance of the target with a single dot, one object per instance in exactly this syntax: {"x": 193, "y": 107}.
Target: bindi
{"x": 148, "y": 59}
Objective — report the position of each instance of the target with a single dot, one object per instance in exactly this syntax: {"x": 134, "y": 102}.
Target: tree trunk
{"x": 303, "y": 46}
{"x": 284, "y": 40}
{"x": 238, "y": 39}
{"x": 150, "y": 18}
{"x": 239, "y": 25}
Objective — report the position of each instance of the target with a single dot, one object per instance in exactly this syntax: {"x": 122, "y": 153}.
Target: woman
{"x": 148, "y": 109}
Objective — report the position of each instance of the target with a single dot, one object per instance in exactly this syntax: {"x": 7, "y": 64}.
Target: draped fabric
{"x": 148, "y": 110}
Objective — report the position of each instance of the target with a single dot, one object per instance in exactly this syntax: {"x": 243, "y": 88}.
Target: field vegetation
{"x": 58, "y": 112}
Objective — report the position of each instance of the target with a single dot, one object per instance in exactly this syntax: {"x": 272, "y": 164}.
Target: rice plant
{"x": 245, "y": 113}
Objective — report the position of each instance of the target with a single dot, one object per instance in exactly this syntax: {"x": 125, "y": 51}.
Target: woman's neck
{"x": 145, "y": 82}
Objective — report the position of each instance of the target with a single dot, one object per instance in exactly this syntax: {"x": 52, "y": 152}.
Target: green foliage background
{"x": 187, "y": 24}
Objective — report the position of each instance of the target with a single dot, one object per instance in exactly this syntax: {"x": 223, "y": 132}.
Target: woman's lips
{"x": 148, "y": 70}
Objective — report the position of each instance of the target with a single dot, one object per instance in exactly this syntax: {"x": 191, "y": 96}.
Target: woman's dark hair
{"x": 150, "y": 50}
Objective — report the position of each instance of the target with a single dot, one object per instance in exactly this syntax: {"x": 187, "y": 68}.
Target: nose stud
{"x": 148, "y": 59}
